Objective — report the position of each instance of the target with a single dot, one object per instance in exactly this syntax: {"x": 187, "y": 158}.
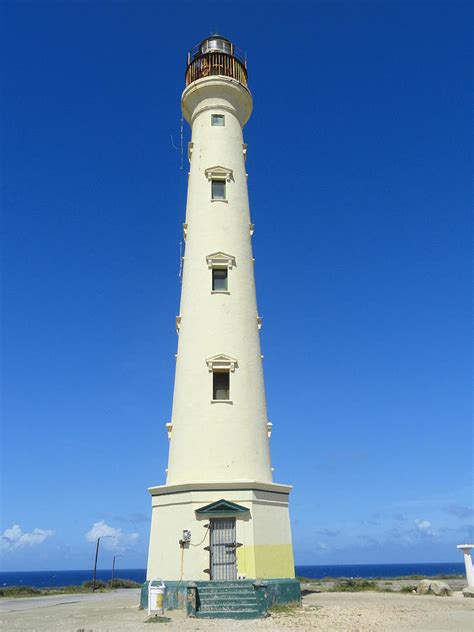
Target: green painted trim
{"x": 221, "y": 507}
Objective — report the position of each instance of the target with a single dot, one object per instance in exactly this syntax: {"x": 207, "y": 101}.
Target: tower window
{"x": 217, "y": 120}
{"x": 219, "y": 280}
{"x": 218, "y": 189}
{"x": 220, "y": 385}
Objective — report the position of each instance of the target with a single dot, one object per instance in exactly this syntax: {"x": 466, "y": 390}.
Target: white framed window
{"x": 218, "y": 177}
{"x": 219, "y": 263}
{"x": 220, "y": 367}
{"x": 218, "y": 189}
{"x": 220, "y": 385}
{"x": 220, "y": 280}
{"x": 217, "y": 120}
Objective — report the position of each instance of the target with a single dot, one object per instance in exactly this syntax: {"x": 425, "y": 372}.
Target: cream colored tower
{"x": 219, "y": 516}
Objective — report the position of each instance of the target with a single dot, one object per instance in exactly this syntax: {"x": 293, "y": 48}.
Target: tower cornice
{"x": 160, "y": 490}
{"x": 216, "y": 93}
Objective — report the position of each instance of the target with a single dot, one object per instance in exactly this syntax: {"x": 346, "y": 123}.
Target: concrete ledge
{"x": 278, "y": 488}
{"x": 282, "y": 591}
{"x": 175, "y": 595}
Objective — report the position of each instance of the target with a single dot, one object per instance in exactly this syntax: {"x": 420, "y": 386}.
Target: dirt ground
{"x": 348, "y": 612}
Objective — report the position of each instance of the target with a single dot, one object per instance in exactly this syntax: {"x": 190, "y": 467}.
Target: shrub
{"x": 407, "y": 589}
{"x": 19, "y": 591}
{"x": 124, "y": 583}
{"x": 353, "y": 585}
{"x": 99, "y": 584}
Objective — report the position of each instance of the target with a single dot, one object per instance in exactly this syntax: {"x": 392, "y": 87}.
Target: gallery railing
{"x": 215, "y": 63}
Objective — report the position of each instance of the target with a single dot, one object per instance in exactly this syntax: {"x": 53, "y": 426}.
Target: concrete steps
{"x": 227, "y": 600}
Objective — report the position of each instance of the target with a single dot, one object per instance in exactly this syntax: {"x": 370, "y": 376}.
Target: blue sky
{"x": 360, "y": 164}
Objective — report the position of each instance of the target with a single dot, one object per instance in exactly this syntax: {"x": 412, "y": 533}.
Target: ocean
{"x": 43, "y": 579}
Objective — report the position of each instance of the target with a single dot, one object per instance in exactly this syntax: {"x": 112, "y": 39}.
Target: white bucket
{"x": 156, "y": 596}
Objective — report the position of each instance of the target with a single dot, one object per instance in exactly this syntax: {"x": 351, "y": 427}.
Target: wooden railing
{"x": 210, "y": 64}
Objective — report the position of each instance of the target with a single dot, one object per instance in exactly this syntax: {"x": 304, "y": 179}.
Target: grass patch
{"x": 157, "y": 619}
{"x": 19, "y": 591}
{"x": 284, "y": 608}
{"x": 354, "y": 585}
{"x": 407, "y": 589}
{"x": 312, "y": 580}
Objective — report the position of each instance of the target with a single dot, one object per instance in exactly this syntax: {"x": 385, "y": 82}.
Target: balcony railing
{"x": 214, "y": 63}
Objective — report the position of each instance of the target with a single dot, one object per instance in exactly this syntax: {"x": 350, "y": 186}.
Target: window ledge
{"x": 225, "y": 201}
{"x": 222, "y": 401}
{"x": 220, "y": 292}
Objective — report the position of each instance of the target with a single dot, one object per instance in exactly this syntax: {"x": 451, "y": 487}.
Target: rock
{"x": 441, "y": 589}
{"x": 423, "y": 587}
{"x": 432, "y": 587}
{"x": 468, "y": 591}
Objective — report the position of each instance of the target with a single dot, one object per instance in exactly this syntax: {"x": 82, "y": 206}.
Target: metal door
{"x": 223, "y": 563}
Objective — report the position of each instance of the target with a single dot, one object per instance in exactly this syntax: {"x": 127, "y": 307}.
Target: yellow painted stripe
{"x": 270, "y": 561}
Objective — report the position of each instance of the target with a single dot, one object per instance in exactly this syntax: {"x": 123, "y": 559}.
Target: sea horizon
{"x": 56, "y": 578}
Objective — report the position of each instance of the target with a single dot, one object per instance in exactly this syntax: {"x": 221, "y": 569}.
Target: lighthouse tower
{"x": 219, "y": 517}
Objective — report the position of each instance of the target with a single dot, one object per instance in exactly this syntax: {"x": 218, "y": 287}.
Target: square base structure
{"x": 262, "y": 530}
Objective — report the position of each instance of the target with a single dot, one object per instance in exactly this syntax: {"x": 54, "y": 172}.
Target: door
{"x": 223, "y": 545}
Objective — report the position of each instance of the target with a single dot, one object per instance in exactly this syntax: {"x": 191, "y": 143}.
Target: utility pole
{"x": 113, "y": 571}
{"x": 96, "y": 556}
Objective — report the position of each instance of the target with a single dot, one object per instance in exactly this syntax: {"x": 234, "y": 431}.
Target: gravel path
{"x": 348, "y": 612}
{"x": 27, "y": 603}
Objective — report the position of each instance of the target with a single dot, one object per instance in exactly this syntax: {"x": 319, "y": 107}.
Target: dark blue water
{"x": 42, "y": 579}
{"x": 380, "y": 570}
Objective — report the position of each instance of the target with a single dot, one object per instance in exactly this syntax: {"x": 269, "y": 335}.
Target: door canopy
{"x": 221, "y": 508}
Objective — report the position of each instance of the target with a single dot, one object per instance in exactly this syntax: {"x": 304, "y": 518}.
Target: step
{"x": 219, "y": 607}
{"x": 227, "y": 587}
{"x": 204, "y": 605}
{"x": 218, "y": 585}
{"x": 225, "y": 595}
{"x": 238, "y": 614}
{"x": 231, "y": 589}
{"x": 239, "y": 583}
{"x": 245, "y": 594}
{"x": 227, "y": 598}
